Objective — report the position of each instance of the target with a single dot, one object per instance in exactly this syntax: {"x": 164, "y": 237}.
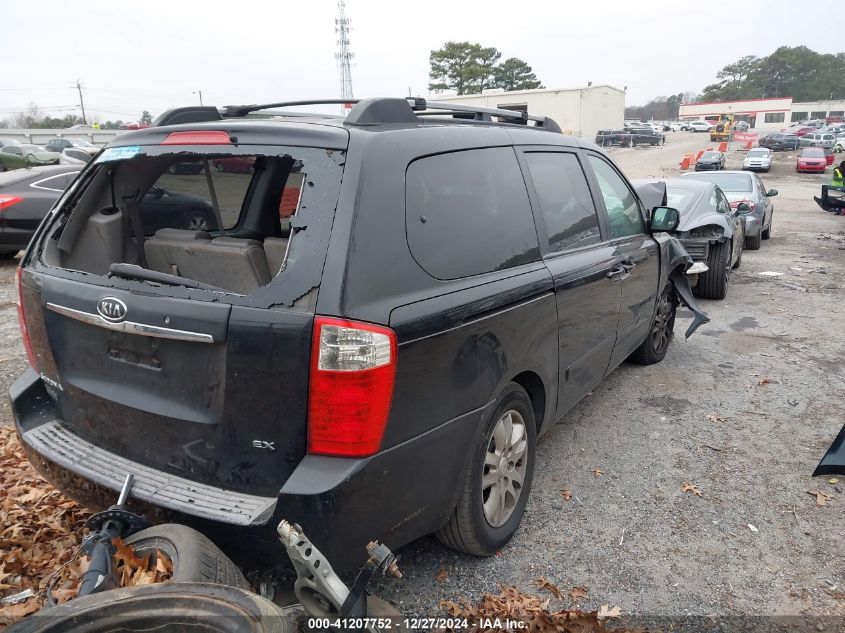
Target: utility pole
{"x": 81, "y": 102}
{"x": 343, "y": 56}
{"x": 199, "y": 92}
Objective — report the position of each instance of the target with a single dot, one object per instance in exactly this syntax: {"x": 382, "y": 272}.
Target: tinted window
{"x": 12, "y": 149}
{"x": 623, "y": 211}
{"x": 467, "y": 213}
{"x": 565, "y": 201}
{"x": 56, "y": 183}
{"x": 727, "y": 182}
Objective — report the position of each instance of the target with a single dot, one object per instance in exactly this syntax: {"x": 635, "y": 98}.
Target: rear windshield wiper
{"x": 133, "y": 271}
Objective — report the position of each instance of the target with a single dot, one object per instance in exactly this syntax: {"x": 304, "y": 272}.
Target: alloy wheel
{"x": 197, "y": 223}
{"x": 505, "y": 465}
{"x": 661, "y": 331}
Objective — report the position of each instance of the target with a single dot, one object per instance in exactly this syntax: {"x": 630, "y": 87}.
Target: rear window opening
{"x": 222, "y": 219}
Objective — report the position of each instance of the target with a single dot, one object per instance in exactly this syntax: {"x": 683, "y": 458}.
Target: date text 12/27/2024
{"x": 423, "y": 623}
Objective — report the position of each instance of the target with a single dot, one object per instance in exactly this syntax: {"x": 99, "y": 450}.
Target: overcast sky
{"x": 154, "y": 54}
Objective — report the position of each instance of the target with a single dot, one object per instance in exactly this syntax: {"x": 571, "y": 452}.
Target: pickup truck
{"x": 629, "y": 137}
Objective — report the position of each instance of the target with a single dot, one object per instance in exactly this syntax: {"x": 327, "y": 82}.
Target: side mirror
{"x": 664, "y": 219}
{"x": 743, "y": 208}
{"x": 771, "y": 193}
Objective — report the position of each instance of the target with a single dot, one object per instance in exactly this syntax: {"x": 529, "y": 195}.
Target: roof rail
{"x": 377, "y": 111}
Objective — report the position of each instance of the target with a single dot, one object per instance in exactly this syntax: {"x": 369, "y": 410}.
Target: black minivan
{"x": 382, "y": 314}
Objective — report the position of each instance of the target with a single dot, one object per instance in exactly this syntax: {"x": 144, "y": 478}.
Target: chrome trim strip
{"x": 130, "y": 327}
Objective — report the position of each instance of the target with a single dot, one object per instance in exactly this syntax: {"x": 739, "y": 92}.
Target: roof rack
{"x": 377, "y": 111}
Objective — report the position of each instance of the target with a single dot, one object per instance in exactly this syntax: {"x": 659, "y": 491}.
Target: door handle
{"x": 620, "y": 272}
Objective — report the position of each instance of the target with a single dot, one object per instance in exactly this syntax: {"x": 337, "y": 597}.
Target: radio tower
{"x": 343, "y": 55}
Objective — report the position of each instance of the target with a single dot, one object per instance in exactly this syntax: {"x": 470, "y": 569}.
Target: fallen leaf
{"x": 606, "y": 611}
{"x": 716, "y": 418}
{"x": 685, "y": 487}
{"x": 578, "y": 593}
{"x": 768, "y": 381}
{"x": 542, "y": 583}
{"x": 442, "y": 575}
{"x": 598, "y": 472}
{"x": 821, "y": 497}
{"x": 566, "y": 493}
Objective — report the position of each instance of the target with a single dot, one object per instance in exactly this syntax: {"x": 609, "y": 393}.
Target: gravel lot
{"x": 630, "y": 535}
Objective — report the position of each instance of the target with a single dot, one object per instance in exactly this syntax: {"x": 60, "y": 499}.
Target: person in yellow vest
{"x": 838, "y": 175}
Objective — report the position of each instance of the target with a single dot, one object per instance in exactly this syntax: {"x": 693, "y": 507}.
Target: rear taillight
{"x": 353, "y": 368}
{"x": 7, "y": 201}
{"x": 735, "y": 204}
{"x": 27, "y": 344}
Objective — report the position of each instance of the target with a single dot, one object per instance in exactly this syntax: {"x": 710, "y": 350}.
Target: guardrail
{"x": 39, "y": 136}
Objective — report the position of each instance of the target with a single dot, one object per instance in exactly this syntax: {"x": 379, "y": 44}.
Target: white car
{"x": 839, "y": 143}
{"x": 758, "y": 159}
{"x": 700, "y": 126}
{"x": 77, "y": 155}
{"x": 678, "y": 126}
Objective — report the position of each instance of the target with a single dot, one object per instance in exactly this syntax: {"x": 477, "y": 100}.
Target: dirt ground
{"x": 743, "y": 410}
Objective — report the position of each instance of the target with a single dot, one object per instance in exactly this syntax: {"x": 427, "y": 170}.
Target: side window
{"x": 723, "y": 206}
{"x": 623, "y": 211}
{"x": 467, "y": 213}
{"x": 13, "y": 149}
{"x": 568, "y": 209}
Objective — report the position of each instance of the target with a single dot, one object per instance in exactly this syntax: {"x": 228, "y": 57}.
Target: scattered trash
{"x": 566, "y": 493}
{"x": 793, "y": 402}
{"x": 598, "y": 472}
{"x": 685, "y": 487}
{"x": 18, "y": 597}
{"x": 542, "y": 583}
{"x": 833, "y": 481}
{"x": 753, "y": 528}
{"x": 770, "y": 273}
{"x": 767, "y": 381}
{"x": 713, "y": 417}
{"x": 821, "y": 497}
{"x": 442, "y": 575}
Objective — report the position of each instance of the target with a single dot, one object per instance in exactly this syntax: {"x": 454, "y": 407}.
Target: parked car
{"x": 137, "y": 125}
{"x": 779, "y": 142}
{"x": 25, "y": 197}
{"x": 710, "y": 161}
{"x": 77, "y": 155}
{"x": 839, "y": 144}
{"x": 811, "y": 160}
{"x": 25, "y": 155}
{"x": 829, "y": 155}
{"x": 163, "y": 209}
{"x": 58, "y": 145}
{"x": 645, "y": 135}
{"x": 746, "y": 188}
{"x": 817, "y": 139}
{"x": 758, "y": 159}
{"x": 712, "y": 233}
{"x": 8, "y": 141}
{"x": 799, "y": 130}
{"x": 679, "y": 126}
{"x": 699, "y": 126}
{"x": 607, "y": 138}
{"x": 246, "y": 377}
{"x": 191, "y": 168}
{"x": 741, "y": 126}
{"x": 235, "y": 164}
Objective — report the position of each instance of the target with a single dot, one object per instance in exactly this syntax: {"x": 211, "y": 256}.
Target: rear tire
{"x": 713, "y": 284}
{"x": 654, "y": 348}
{"x": 195, "y": 558}
{"x": 752, "y": 242}
{"x": 767, "y": 234}
{"x": 487, "y": 515}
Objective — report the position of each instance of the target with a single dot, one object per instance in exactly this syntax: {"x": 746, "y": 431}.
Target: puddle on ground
{"x": 745, "y": 323}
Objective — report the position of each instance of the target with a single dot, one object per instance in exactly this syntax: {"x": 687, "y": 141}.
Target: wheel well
{"x": 533, "y": 385}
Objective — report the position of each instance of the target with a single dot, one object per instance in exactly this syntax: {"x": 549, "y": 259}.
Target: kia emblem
{"x": 111, "y": 309}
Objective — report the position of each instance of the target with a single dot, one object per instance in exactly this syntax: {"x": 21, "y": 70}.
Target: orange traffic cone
{"x": 723, "y": 147}
{"x": 700, "y": 152}
{"x": 749, "y": 145}
{"x": 685, "y": 163}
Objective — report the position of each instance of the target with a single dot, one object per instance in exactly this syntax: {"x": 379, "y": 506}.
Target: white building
{"x": 764, "y": 114}
{"x": 578, "y": 111}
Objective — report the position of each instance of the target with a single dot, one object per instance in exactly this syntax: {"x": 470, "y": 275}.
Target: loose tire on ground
{"x": 469, "y": 529}
{"x": 713, "y": 284}
{"x": 195, "y": 558}
{"x": 653, "y": 349}
{"x": 163, "y": 608}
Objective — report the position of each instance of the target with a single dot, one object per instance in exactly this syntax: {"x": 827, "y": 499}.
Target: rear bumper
{"x": 395, "y": 496}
